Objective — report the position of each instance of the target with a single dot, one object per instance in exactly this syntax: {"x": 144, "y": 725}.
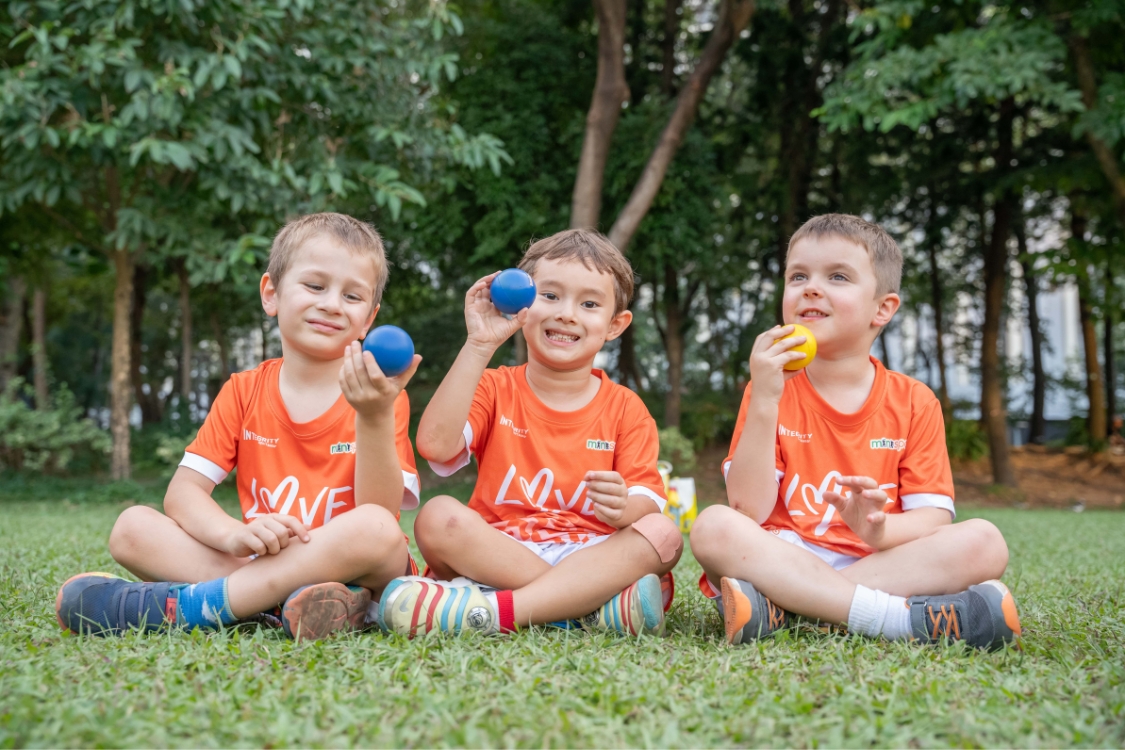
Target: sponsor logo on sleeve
{"x": 888, "y": 444}
{"x": 520, "y": 432}
{"x": 256, "y": 438}
{"x": 803, "y": 437}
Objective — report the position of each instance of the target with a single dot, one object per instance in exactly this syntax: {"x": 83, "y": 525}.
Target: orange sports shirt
{"x": 532, "y": 459}
{"x": 897, "y": 438}
{"x": 305, "y": 470}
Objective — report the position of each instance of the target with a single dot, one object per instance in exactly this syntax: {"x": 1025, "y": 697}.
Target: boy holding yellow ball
{"x": 840, "y": 490}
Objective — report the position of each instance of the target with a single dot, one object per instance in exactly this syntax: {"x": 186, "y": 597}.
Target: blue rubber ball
{"x": 512, "y": 290}
{"x": 392, "y": 347}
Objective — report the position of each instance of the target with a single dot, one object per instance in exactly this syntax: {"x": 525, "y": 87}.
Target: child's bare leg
{"x": 589, "y": 578}
{"x": 727, "y": 543}
{"x": 456, "y": 541}
{"x": 365, "y": 546}
{"x": 946, "y": 561}
{"x": 153, "y": 547}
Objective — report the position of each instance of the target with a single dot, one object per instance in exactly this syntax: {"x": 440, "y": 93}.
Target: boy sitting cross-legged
{"x": 317, "y": 436}
{"x": 840, "y": 490}
{"x": 565, "y": 521}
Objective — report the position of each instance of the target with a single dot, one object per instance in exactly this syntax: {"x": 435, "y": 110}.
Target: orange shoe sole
{"x": 737, "y": 610}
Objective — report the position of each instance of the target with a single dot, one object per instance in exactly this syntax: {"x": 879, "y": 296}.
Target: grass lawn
{"x": 252, "y": 687}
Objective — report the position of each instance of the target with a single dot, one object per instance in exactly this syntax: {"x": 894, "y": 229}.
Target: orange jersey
{"x": 897, "y": 438}
{"x": 304, "y": 470}
{"x": 532, "y": 460}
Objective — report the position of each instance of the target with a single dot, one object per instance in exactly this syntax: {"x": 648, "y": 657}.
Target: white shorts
{"x": 837, "y": 560}
{"x": 554, "y": 553}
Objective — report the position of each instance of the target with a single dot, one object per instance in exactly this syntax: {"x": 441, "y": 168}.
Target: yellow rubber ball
{"x": 808, "y": 348}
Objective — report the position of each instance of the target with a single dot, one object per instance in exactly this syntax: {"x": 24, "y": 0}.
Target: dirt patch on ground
{"x": 1048, "y": 478}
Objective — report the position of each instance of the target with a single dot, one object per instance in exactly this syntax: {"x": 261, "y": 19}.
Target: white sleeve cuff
{"x": 204, "y": 466}
{"x": 638, "y": 490}
{"x": 411, "y": 490}
{"x": 928, "y": 500}
{"x": 459, "y": 462}
{"x": 778, "y": 473}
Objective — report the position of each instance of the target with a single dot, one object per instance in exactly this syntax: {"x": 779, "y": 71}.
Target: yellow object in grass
{"x": 808, "y": 348}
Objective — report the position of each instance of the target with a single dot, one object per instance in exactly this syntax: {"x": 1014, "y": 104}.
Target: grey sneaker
{"x": 747, "y": 614}
{"x": 984, "y": 616}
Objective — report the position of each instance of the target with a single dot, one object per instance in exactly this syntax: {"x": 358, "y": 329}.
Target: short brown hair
{"x": 594, "y": 250}
{"x": 357, "y": 236}
{"x": 886, "y": 257}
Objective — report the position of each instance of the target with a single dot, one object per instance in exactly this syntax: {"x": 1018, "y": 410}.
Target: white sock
{"x": 876, "y": 613}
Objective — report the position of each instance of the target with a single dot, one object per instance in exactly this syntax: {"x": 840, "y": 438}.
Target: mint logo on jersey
{"x": 887, "y": 444}
{"x": 600, "y": 445}
{"x": 341, "y": 448}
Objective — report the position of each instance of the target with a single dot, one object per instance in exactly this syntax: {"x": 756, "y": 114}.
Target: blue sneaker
{"x": 638, "y": 610}
{"x": 104, "y": 604}
{"x": 313, "y": 612}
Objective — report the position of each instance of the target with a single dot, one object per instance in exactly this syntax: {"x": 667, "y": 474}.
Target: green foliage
{"x": 676, "y": 450}
{"x": 966, "y": 440}
{"x": 44, "y": 440}
{"x": 551, "y": 688}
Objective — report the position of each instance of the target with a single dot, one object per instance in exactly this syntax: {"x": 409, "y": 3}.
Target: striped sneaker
{"x": 314, "y": 612}
{"x": 747, "y": 613}
{"x": 638, "y": 610}
{"x": 415, "y": 606}
{"x": 984, "y": 616}
{"x": 104, "y": 604}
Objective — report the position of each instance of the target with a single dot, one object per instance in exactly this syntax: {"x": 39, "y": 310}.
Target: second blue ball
{"x": 392, "y": 347}
{"x": 512, "y": 290}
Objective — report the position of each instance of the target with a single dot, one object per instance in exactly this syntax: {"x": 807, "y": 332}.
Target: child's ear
{"x": 370, "y": 319}
{"x": 619, "y": 323}
{"x": 887, "y": 308}
{"x": 269, "y": 295}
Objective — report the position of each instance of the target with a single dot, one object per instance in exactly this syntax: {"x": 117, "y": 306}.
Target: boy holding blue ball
{"x": 564, "y": 525}
{"x": 317, "y": 436}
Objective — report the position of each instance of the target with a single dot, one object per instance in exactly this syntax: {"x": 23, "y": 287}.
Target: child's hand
{"x": 768, "y": 359}
{"x": 486, "y": 326}
{"x": 862, "y": 508}
{"x": 366, "y": 388}
{"x": 265, "y": 535}
{"x": 610, "y": 495}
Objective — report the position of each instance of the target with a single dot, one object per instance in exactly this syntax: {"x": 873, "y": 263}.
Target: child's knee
{"x": 440, "y": 517}
{"x": 710, "y": 529}
{"x": 664, "y": 536}
{"x": 376, "y": 533}
{"x": 132, "y": 528}
{"x": 986, "y": 544}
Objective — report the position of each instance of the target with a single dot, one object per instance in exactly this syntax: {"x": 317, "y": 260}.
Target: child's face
{"x": 325, "y": 299}
{"x": 573, "y": 314}
{"x": 830, "y": 287}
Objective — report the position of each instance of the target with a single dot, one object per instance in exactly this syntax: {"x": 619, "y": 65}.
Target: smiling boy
{"x": 319, "y": 439}
{"x": 565, "y": 520}
{"x": 840, "y": 489}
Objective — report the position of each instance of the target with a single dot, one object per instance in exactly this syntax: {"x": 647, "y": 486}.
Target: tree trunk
{"x": 120, "y": 391}
{"x": 224, "y": 349}
{"x": 11, "y": 326}
{"x": 627, "y": 366}
{"x": 1110, "y": 319}
{"x": 151, "y": 412}
{"x": 1095, "y": 392}
{"x": 668, "y": 46}
{"x": 733, "y": 17}
{"x": 937, "y": 304}
{"x": 39, "y": 345}
{"x": 994, "y": 411}
{"x": 673, "y": 335}
{"x": 1088, "y": 85}
{"x": 610, "y": 91}
{"x": 519, "y": 344}
{"x": 185, "y": 333}
{"x": 1038, "y": 428}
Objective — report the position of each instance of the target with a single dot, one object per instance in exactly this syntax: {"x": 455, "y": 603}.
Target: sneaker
{"x": 984, "y": 616}
{"x": 747, "y": 613}
{"x": 413, "y": 606}
{"x": 104, "y": 604}
{"x": 314, "y": 612}
{"x": 638, "y": 610}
